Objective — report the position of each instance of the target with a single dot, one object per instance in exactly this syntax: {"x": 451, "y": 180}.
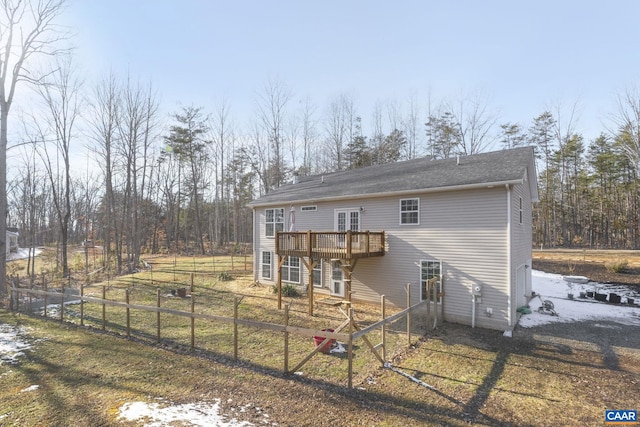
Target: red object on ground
{"x": 327, "y": 346}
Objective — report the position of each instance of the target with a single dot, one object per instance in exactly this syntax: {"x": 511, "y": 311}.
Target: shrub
{"x": 288, "y": 290}
{"x": 619, "y": 266}
{"x": 224, "y": 277}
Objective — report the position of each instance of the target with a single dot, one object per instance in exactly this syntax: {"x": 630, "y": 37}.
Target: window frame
{"x": 273, "y": 223}
{"x": 407, "y": 212}
{"x": 520, "y": 211}
{"x": 269, "y": 265}
{"x": 423, "y": 263}
{"x": 288, "y": 268}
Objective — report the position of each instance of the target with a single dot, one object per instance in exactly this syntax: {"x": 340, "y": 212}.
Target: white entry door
{"x": 337, "y": 279}
{"x": 347, "y": 219}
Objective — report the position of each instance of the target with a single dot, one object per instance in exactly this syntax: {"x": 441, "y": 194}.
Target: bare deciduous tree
{"x": 272, "y": 103}
{"x": 309, "y": 135}
{"x": 626, "y": 121}
{"x": 103, "y": 122}
{"x": 476, "y": 124}
{"x": 410, "y": 128}
{"x": 222, "y": 149}
{"x": 61, "y": 99}
{"x": 27, "y": 30}
{"x": 136, "y": 129}
{"x": 339, "y": 127}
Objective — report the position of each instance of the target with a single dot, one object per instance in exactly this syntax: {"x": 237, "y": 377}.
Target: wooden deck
{"x": 330, "y": 244}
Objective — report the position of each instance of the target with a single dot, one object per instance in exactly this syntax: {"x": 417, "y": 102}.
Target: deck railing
{"x": 330, "y": 244}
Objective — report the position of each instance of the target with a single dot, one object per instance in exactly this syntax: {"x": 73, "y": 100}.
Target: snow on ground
{"x": 12, "y": 344}
{"x": 195, "y": 414}
{"x": 22, "y": 253}
{"x": 552, "y": 287}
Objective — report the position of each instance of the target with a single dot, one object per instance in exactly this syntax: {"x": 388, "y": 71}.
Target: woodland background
{"x": 94, "y": 158}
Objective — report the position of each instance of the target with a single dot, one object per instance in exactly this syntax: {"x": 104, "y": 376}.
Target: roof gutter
{"x": 393, "y": 193}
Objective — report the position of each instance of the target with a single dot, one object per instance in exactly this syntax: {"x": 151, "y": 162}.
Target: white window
{"x": 429, "y": 270}
{"x": 291, "y": 270}
{"x": 274, "y": 221}
{"x": 266, "y": 265}
{"x": 409, "y": 211}
{"x": 520, "y": 210}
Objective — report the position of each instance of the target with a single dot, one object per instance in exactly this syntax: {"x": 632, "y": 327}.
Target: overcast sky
{"x": 522, "y": 56}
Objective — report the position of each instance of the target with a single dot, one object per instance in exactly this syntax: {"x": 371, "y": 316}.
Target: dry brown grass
{"x": 565, "y": 375}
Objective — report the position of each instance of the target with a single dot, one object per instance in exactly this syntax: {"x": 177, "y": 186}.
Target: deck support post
{"x": 310, "y": 266}
{"x": 280, "y": 263}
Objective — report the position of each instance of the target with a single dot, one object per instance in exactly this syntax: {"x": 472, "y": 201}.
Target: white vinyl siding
{"x": 274, "y": 221}
{"x": 521, "y": 243}
{"x": 465, "y": 230}
{"x": 410, "y": 211}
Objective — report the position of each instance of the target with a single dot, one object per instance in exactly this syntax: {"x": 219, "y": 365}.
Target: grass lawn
{"x": 465, "y": 376}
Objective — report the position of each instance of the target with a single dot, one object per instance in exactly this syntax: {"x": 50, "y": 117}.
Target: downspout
{"x": 473, "y": 311}
{"x": 256, "y": 256}
{"x": 509, "y": 254}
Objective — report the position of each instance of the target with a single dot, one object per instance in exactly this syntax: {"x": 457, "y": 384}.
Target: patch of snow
{"x": 576, "y": 279}
{"x": 23, "y": 253}
{"x": 53, "y": 310}
{"x": 552, "y": 287}
{"x": 12, "y": 345}
{"x": 194, "y": 414}
{"x": 30, "y": 388}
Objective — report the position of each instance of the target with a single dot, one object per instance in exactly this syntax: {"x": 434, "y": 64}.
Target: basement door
{"x": 337, "y": 279}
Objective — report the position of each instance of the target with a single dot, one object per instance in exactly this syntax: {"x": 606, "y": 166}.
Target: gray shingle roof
{"x": 411, "y": 175}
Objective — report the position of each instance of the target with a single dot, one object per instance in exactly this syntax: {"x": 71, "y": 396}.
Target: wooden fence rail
{"x": 354, "y": 331}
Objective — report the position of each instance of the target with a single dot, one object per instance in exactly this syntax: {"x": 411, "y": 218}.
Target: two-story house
{"x": 362, "y": 233}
